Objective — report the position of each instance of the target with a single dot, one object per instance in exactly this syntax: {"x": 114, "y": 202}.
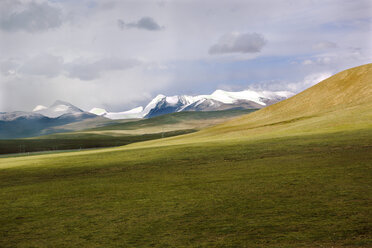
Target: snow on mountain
{"x": 41, "y": 121}
{"x": 231, "y": 97}
{"x": 98, "y": 111}
{"x": 130, "y": 114}
{"x": 57, "y": 109}
{"x": 152, "y": 104}
{"x": 218, "y": 100}
{"x": 11, "y": 116}
{"x": 19, "y": 124}
{"x": 39, "y": 107}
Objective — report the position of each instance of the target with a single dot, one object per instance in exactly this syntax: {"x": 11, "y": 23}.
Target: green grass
{"x": 78, "y": 141}
{"x": 176, "y": 118}
{"x": 121, "y": 132}
{"x": 303, "y": 191}
{"x": 294, "y": 174}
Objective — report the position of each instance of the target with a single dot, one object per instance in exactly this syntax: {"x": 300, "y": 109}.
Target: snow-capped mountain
{"x": 41, "y": 120}
{"x": 58, "y": 108}
{"x": 218, "y": 100}
{"x": 21, "y": 124}
{"x": 12, "y": 116}
{"x": 130, "y": 114}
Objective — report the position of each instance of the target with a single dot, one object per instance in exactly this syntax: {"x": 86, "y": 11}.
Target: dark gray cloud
{"x": 30, "y": 17}
{"x": 146, "y": 23}
{"x": 90, "y": 30}
{"x": 239, "y": 43}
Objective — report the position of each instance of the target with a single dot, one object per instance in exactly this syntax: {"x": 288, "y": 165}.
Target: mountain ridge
{"x": 340, "y": 103}
{"x": 58, "y": 108}
{"x": 218, "y": 100}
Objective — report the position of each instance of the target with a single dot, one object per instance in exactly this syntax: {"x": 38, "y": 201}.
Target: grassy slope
{"x": 302, "y": 191}
{"x": 171, "y": 122}
{"x": 120, "y": 132}
{"x": 340, "y": 103}
{"x": 297, "y": 178}
{"x": 58, "y": 142}
{"x": 89, "y": 123}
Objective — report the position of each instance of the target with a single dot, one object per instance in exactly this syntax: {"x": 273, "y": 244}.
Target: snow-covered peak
{"x": 157, "y": 99}
{"x": 98, "y": 111}
{"x": 57, "y": 109}
{"x": 135, "y": 110}
{"x": 11, "y": 116}
{"x": 172, "y": 99}
{"x": 231, "y": 97}
{"x": 61, "y": 108}
{"x": 152, "y": 104}
{"x": 130, "y": 114}
{"x": 180, "y": 99}
{"x": 162, "y": 104}
{"x": 39, "y": 107}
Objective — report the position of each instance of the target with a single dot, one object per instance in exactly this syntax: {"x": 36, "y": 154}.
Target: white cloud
{"x": 307, "y": 62}
{"x": 320, "y": 60}
{"x": 119, "y": 91}
{"x": 100, "y": 65}
{"x": 308, "y": 81}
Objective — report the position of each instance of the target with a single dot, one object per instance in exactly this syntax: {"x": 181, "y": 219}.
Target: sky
{"x": 120, "y": 54}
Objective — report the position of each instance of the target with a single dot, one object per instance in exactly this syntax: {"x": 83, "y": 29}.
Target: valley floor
{"x": 301, "y": 191}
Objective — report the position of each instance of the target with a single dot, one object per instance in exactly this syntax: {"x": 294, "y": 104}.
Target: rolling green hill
{"x": 116, "y": 133}
{"x": 171, "y": 122}
{"x": 294, "y": 174}
{"x": 342, "y": 102}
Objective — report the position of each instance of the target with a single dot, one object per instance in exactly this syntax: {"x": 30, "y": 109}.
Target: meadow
{"x": 294, "y": 174}
{"x": 300, "y": 191}
{"x": 119, "y": 132}
{"x": 78, "y": 141}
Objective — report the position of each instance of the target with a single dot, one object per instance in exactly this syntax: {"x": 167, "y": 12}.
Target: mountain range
{"x": 44, "y": 120}
{"x": 58, "y": 108}
{"x": 341, "y": 103}
{"x": 293, "y": 174}
{"x": 20, "y": 124}
{"x": 218, "y": 100}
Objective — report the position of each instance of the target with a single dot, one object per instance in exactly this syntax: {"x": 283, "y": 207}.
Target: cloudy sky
{"x": 120, "y": 54}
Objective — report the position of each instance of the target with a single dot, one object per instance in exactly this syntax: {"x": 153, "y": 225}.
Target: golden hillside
{"x": 340, "y": 103}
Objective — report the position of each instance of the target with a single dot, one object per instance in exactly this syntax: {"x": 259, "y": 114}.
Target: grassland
{"x": 68, "y": 141}
{"x": 120, "y": 132}
{"x": 294, "y": 174}
{"x": 341, "y": 103}
{"x": 171, "y": 122}
{"x": 302, "y": 191}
